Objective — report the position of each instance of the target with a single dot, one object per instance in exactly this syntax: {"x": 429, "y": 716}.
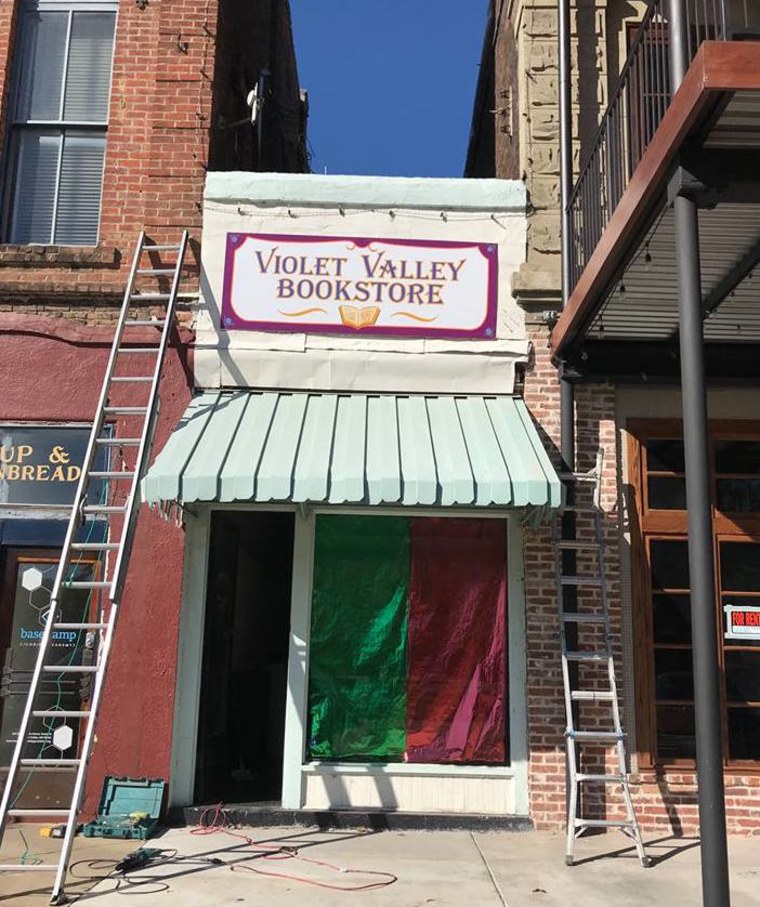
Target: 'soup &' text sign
{"x": 348, "y": 285}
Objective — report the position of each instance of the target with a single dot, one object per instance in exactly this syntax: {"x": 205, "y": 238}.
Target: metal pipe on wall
{"x": 567, "y": 392}
{"x": 704, "y": 625}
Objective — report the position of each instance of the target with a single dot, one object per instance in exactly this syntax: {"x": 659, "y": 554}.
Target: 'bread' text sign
{"x": 348, "y": 285}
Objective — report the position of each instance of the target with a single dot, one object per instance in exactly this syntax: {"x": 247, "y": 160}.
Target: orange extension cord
{"x": 215, "y": 820}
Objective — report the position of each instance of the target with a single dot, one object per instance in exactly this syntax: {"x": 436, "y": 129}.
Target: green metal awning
{"x": 333, "y": 448}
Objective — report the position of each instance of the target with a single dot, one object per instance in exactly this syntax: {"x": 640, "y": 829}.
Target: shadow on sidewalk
{"x": 665, "y": 849}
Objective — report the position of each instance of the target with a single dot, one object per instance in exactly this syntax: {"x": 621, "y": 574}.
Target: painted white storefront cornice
{"x": 314, "y": 190}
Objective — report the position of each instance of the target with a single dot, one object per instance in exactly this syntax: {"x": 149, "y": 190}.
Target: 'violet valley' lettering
{"x": 385, "y": 279}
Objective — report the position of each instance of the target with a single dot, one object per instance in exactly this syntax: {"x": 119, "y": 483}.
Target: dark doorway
{"x": 241, "y": 724}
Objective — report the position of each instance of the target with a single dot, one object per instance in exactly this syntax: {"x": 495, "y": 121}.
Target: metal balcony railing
{"x": 639, "y": 102}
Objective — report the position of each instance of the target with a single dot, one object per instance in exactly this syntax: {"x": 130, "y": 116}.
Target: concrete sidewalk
{"x": 442, "y": 869}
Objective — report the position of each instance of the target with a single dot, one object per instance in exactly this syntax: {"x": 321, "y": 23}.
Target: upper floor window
{"x": 59, "y": 117}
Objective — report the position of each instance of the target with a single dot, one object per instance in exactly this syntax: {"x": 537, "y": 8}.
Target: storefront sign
{"x": 347, "y": 285}
{"x": 35, "y": 578}
{"x": 742, "y": 621}
{"x": 40, "y": 466}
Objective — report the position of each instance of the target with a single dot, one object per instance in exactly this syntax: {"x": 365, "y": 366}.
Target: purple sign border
{"x": 485, "y": 331}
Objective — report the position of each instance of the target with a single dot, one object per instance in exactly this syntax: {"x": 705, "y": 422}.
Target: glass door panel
{"x": 26, "y": 590}
{"x": 739, "y": 565}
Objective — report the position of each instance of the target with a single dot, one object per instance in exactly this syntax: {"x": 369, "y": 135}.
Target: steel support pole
{"x": 567, "y": 391}
{"x": 704, "y": 625}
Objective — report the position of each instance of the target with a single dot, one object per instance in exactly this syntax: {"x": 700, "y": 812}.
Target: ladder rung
{"x": 28, "y": 867}
{"x": 587, "y": 656}
{"x": 155, "y": 271}
{"x": 573, "y": 617}
{"x": 149, "y": 297}
{"x": 594, "y": 736}
{"x": 604, "y": 823}
{"x": 115, "y": 474}
{"x": 138, "y": 349}
{"x": 104, "y": 508}
{"x": 126, "y": 379}
{"x": 592, "y": 695}
{"x": 118, "y": 442}
{"x": 87, "y": 584}
{"x": 576, "y": 545}
{"x": 80, "y": 626}
{"x": 61, "y": 713}
{"x": 160, "y": 247}
{"x": 581, "y": 581}
{"x": 70, "y": 669}
{"x": 145, "y": 323}
{"x": 94, "y": 546}
{"x": 61, "y": 763}
{"x": 38, "y": 812}
{"x": 125, "y": 410}
{"x": 603, "y": 779}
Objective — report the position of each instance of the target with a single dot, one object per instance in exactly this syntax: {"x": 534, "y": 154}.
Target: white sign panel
{"x": 346, "y": 285}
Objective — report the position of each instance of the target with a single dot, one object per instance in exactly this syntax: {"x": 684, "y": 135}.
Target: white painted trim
{"x": 397, "y": 769}
{"x": 247, "y": 505}
{"x": 518, "y": 678}
{"x": 190, "y": 653}
{"x": 35, "y": 512}
{"x": 462, "y": 513}
{"x": 300, "y": 190}
{"x": 516, "y": 514}
{"x": 190, "y": 659}
{"x": 516, "y": 771}
{"x": 297, "y": 705}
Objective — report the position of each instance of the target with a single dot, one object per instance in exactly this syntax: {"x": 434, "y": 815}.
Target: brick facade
{"x": 546, "y": 708}
{"x": 181, "y": 73}
{"x": 665, "y": 801}
{"x": 525, "y": 62}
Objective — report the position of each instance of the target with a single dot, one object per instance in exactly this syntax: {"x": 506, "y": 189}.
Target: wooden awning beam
{"x": 718, "y": 68}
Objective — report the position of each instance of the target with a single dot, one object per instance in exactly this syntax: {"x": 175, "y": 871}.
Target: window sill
{"x": 391, "y": 769}
{"x": 39, "y": 256}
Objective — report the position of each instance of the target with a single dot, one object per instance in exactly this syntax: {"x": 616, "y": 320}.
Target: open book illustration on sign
{"x": 355, "y": 317}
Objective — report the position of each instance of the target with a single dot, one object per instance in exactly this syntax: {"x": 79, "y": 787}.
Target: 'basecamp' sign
{"x": 348, "y": 285}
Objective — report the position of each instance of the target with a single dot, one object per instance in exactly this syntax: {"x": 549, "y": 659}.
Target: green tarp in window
{"x": 358, "y": 660}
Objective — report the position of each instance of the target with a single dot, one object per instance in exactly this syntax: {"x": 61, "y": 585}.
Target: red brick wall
{"x": 135, "y": 724}
{"x": 665, "y": 803}
{"x": 546, "y": 709}
{"x": 163, "y": 119}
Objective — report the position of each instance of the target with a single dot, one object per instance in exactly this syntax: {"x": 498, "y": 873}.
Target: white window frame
{"x": 295, "y": 769}
{"x": 17, "y": 126}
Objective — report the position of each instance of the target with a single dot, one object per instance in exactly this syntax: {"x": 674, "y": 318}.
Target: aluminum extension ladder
{"x": 108, "y": 494}
{"x": 584, "y": 492}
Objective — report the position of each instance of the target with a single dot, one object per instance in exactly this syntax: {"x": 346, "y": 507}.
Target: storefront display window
{"x": 408, "y": 641}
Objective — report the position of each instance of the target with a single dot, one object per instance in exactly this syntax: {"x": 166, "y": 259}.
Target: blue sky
{"x": 391, "y": 83}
